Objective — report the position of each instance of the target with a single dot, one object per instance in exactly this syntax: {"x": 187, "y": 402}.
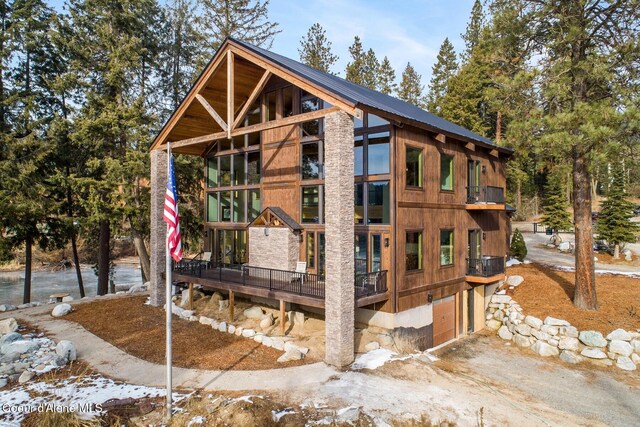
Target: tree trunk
{"x": 143, "y": 254}
{"x": 498, "y": 128}
{"x": 103, "y": 258}
{"x": 585, "y": 280}
{"x": 26, "y": 298}
{"x": 616, "y": 251}
{"x": 519, "y": 196}
{"x": 76, "y": 262}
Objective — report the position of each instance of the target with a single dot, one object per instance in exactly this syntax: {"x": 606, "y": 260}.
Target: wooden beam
{"x": 197, "y": 140}
{"x": 230, "y": 92}
{"x": 494, "y": 153}
{"x": 211, "y": 111}
{"x": 282, "y": 317}
{"x": 291, "y": 120}
{"x": 441, "y": 137}
{"x": 254, "y": 95}
{"x": 470, "y": 146}
{"x": 302, "y": 84}
{"x": 231, "y": 308}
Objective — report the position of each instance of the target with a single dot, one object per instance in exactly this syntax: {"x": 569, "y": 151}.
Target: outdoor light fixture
{"x": 484, "y": 236}
{"x": 266, "y": 231}
{"x": 386, "y": 242}
{"x": 429, "y": 297}
{"x": 484, "y": 168}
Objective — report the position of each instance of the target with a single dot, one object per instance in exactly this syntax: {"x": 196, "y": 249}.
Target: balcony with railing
{"x": 301, "y": 288}
{"x": 485, "y": 269}
{"x": 485, "y": 197}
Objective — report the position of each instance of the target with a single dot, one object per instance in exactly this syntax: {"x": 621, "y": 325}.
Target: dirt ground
{"x": 547, "y": 292}
{"x": 139, "y": 330}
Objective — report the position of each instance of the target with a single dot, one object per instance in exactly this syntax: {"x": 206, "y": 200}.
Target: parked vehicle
{"x": 600, "y": 246}
{"x": 594, "y": 216}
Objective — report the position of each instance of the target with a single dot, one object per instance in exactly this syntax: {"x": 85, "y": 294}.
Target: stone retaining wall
{"x": 556, "y": 337}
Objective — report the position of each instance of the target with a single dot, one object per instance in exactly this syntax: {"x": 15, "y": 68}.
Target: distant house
{"x": 398, "y": 214}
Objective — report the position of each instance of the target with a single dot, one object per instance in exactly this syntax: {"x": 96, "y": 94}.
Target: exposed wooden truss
{"x": 211, "y": 111}
{"x": 252, "y": 98}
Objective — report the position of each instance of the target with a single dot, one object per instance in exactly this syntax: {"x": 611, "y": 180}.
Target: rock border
{"x": 556, "y": 337}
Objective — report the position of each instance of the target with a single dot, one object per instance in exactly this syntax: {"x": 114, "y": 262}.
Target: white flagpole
{"x": 169, "y": 303}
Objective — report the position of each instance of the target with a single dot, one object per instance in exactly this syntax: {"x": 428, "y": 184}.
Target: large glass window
{"x": 311, "y": 160}
{"x": 376, "y": 252}
{"x": 378, "y": 153}
{"x": 373, "y": 120}
{"x": 253, "y": 205}
{"x": 212, "y": 172}
{"x": 446, "y": 247}
{"x": 253, "y": 115}
{"x": 231, "y": 246}
{"x": 311, "y": 204}
{"x": 225, "y": 206}
{"x": 271, "y": 106}
{"x": 239, "y": 205}
{"x": 321, "y": 254}
{"x": 358, "y": 155}
{"x": 253, "y": 167}
{"x": 413, "y": 250}
{"x": 309, "y": 103}
{"x": 311, "y": 250}
{"x": 358, "y": 211}
{"x": 212, "y": 207}
{"x": 414, "y": 166}
{"x": 446, "y": 172}
{"x": 239, "y": 172}
{"x": 287, "y": 101}
{"x": 225, "y": 171}
{"x": 360, "y": 253}
{"x": 378, "y": 202}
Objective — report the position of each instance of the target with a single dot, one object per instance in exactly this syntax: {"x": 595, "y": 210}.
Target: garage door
{"x": 444, "y": 320}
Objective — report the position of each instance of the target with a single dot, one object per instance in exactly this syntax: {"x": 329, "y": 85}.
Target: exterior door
{"x": 444, "y": 320}
{"x": 473, "y": 180}
{"x": 474, "y": 251}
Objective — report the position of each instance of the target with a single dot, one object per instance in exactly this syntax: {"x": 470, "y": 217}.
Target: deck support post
{"x": 283, "y": 319}
{"x": 231, "y": 301}
{"x": 190, "y": 295}
{"x": 338, "y": 202}
{"x": 158, "y": 228}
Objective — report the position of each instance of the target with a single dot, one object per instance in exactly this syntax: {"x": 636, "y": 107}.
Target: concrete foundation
{"x": 339, "y": 205}
{"x": 158, "y": 227}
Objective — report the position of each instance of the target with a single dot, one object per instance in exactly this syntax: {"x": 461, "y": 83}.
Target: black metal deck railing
{"x": 485, "y": 194}
{"x": 304, "y": 284}
{"x": 486, "y": 266}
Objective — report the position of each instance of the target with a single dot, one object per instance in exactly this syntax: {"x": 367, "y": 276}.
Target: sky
{"x": 403, "y": 30}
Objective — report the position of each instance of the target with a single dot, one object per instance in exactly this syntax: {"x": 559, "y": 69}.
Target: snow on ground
{"x": 376, "y": 358}
{"x": 82, "y": 395}
{"x": 633, "y": 274}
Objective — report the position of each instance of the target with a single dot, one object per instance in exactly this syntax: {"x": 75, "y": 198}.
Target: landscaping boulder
{"x": 231, "y": 329}
{"x": 10, "y": 337}
{"x": 61, "y": 310}
{"x": 523, "y": 329}
{"x": 267, "y": 321}
{"x": 66, "y": 349}
{"x": 521, "y": 341}
{"x": 635, "y": 358}
{"x": 500, "y": 299}
{"x": 7, "y": 307}
{"x": 290, "y": 355}
{"x": 544, "y": 349}
{"x": 548, "y": 329}
{"x": 222, "y": 327}
{"x": 138, "y": 287}
{"x": 494, "y": 324}
{"x": 569, "y": 343}
{"x": 515, "y": 280}
{"x": 592, "y": 339}
{"x": 373, "y": 345}
{"x": 564, "y": 247}
{"x": 593, "y": 353}
{"x": 254, "y": 312}
{"x": 534, "y": 322}
{"x": 619, "y": 334}
{"x": 505, "y": 333}
{"x": 258, "y": 337}
{"x": 624, "y": 362}
{"x": 570, "y": 357}
{"x": 636, "y": 345}
{"x": 68, "y": 298}
{"x": 267, "y": 341}
{"x": 26, "y": 376}
{"x": 555, "y": 322}
{"x": 8, "y": 325}
{"x": 623, "y": 348}
{"x": 248, "y": 333}
{"x": 540, "y": 335}
{"x": 570, "y": 331}
{"x": 239, "y": 330}
{"x": 12, "y": 357}
{"x": 3, "y": 382}
{"x": 19, "y": 346}
{"x": 205, "y": 320}
{"x": 223, "y": 304}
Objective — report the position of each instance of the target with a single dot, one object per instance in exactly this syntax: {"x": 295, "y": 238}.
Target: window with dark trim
{"x": 311, "y": 204}
{"x": 311, "y": 250}
{"x": 446, "y": 172}
{"x": 413, "y": 250}
{"x": 446, "y": 247}
{"x": 414, "y": 166}
{"x": 378, "y": 202}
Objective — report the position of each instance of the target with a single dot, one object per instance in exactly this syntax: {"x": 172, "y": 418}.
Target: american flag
{"x": 171, "y": 216}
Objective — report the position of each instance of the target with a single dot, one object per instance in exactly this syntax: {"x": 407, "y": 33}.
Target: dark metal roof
{"x": 360, "y": 95}
{"x": 284, "y": 217}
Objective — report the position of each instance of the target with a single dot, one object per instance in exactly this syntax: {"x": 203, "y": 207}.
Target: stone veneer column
{"x": 338, "y": 215}
{"x": 158, "y": 227}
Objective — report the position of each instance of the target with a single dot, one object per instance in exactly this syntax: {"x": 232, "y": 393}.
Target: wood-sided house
{"x": 398, "y": 214}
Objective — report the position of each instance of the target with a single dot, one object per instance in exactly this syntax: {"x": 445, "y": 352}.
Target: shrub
{"x": 518, "y": 249}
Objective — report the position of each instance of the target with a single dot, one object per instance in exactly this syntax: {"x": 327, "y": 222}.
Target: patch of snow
{"x": 632, "y": 274}
{"x": 376, "y": 358}
{"x": 513, "y": 262}
{"x": 247, "y": 398}
{"x": 276, "y": 415}
{"x": 197, "y": 420}
{"x": 82, "y": 395}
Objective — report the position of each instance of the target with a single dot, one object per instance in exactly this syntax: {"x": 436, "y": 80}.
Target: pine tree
{"x": 371, "y": 76}
{"x": 614, "y": 222}
{"x": 315, "y": 49}
{"x": 518, "y": 248}
{"x": 246, "y": 20}
{"x": 443, "y": 70}
{"x": 471, "y": 36}
{"x": 410, "y": 89}
{"x": 387, "y": 77}
{"x": 556, "y": 215}
{"x": 355, "y": 70}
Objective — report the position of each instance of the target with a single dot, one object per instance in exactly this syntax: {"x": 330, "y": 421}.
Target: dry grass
{"x": 139, "y": 330}
{"x": 547, "y": 292}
